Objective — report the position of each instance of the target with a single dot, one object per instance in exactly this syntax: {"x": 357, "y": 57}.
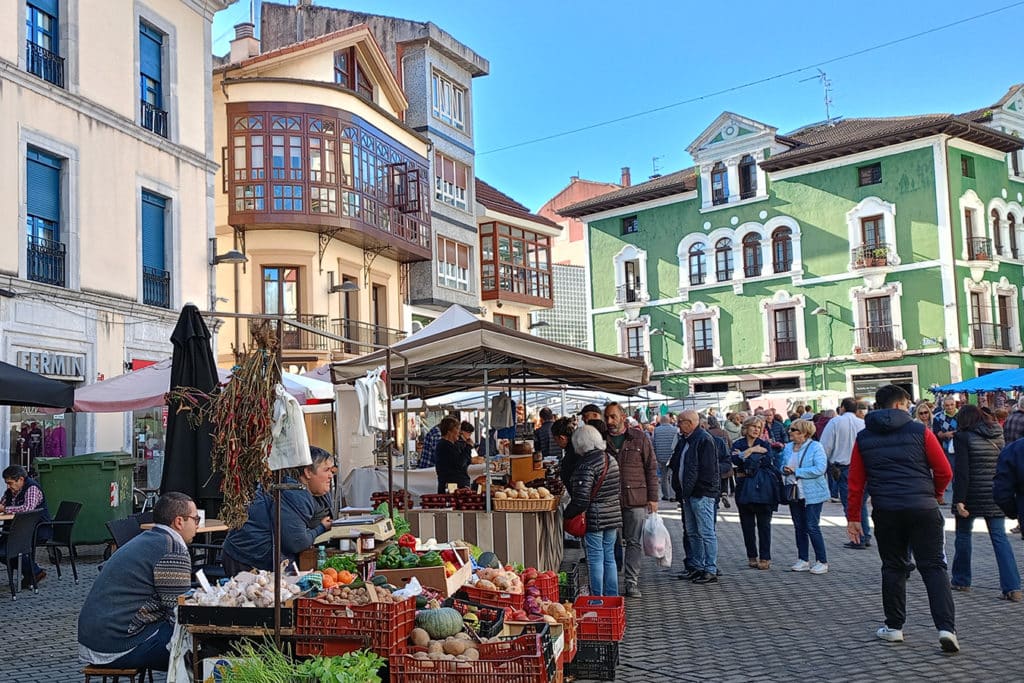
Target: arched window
{"x": 997, "y": 234}
{"x": 719, "y": 184}
{"x": 748, "y": 177}
{"x": 752, "y": 255}
{"x": 698, "y": 264}
{"x": 1011, "y": 224}
{"x": 723, "y": 259}
{"x": 782, "y": 250}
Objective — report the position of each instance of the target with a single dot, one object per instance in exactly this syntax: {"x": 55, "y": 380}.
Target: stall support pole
{"x": 487, "y": 447}
{"x": 388, "y": 437}
{"x": 405, "y": 422}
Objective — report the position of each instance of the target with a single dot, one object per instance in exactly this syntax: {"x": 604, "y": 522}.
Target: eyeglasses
{"x": 793, "y": 429}
{"x": 194, "y": 518}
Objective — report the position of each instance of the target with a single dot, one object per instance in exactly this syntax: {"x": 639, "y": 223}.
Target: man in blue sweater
{"x": 128, "y": 618}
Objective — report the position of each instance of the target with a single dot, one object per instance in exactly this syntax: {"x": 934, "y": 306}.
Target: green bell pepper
{"x": 431, "y": 559}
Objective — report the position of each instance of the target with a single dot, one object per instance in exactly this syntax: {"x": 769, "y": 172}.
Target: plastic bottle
{"x": 321, "y": 557}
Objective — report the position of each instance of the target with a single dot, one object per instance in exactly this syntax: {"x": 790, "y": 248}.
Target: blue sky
{"x": 562, "y": 65}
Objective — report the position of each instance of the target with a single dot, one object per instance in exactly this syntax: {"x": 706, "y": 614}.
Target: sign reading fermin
{"x": 52, "y": 364}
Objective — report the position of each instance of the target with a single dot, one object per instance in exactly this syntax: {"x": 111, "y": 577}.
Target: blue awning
{"x": 1001, "y": 380}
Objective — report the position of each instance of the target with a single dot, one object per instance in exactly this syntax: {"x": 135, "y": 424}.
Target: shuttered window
{"x": 154, "y": 208}
{"x": 150, "y": 64}
{"x": 42, "y": 175}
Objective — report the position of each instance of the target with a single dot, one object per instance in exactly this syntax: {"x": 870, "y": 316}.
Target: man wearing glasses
{"x": 698, "y": 483}
{"x": 128, "y": 618}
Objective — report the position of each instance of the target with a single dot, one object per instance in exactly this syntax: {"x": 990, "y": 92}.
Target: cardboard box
{"x": 433, "y": 577}
{"x": 557, "y": 631}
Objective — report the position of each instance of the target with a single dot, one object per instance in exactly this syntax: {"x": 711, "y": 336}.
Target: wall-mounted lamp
{"x": 657, "y": 332}
{"x": 823, "y": 310}
{"x": 346, "y": 286}
{"x": 8, "y": 293}
{"x": 233, "y": 257}
{"x": 539, "y": 323}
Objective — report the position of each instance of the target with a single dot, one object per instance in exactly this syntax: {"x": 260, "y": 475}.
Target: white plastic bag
{"x": 657, "y": 543}
{"x": 413, "y": 588}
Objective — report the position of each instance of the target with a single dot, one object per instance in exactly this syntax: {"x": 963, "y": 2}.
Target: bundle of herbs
{"x": 264, "y": 663}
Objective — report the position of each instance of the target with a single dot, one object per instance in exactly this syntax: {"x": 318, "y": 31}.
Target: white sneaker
{"x": 800, "y": 566}
{"x": 892, "y": 635}
{"x": 819, "y": 568}
{"x": 948, "y": 641}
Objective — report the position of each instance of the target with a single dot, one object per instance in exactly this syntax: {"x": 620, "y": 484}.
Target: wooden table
{"x": 210, "y": 526}
{"x": 6, "y": 517}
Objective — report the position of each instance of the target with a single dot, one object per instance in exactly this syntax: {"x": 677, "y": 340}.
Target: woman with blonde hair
{"x": 803, "y": 468}
{"x": 756, "y": 491}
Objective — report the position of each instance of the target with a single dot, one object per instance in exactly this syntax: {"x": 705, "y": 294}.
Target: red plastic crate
{"x": 519, "y": 660}
{"x": 310, "y": 647}
{"x": 600, "y": 617}
{"x": 548, "y": 586}
{"x": 386, "y": 625}
{"x": 494, "y": 598}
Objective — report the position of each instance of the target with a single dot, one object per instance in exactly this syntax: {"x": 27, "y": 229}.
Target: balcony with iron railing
{"x": 153, "y": 118}
{"x": 785, "y": 349}
{"x": 979, "y": 249}
{"x": 295, "y": 338}
{"x": 703, "y": 358}
{"x": 364, "y": 336}
{"x": 156, "y": 287}
{"x": 875, "y": 340}
{"x": 990, "y": 337}
{"x": 42, "y": 63}
{"x": 628, "y": 293}
{"x": 873, "y": 256}
{"x": 47, "y": 261}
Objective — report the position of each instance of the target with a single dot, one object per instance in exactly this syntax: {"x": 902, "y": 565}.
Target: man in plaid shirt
{"x": 428, "y": 455}
{"x": 1013, "y": 428}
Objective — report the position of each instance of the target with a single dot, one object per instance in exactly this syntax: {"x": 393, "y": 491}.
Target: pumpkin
{"x": 439, "y": 623}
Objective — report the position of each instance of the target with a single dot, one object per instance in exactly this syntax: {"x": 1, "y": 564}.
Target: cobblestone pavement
{"x": 752, "y": 625}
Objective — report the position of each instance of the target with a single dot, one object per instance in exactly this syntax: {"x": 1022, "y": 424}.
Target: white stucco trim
{"x": 1005, "y": 209}
{"x": 631, "y": 252}
{"x": 591, "y": 322}
{"x": 644, "y": 323}
{"x": 974, "y": 148}
{"x": 970, "y": 201}
{"x": 866, "y": 208}
{"x": 1004, "y": 288}
{"x": 699, "y": 311}
{"x": 894, "y": 291}
{"x": 780, "y": 300}
{"x": 946, "y": 258}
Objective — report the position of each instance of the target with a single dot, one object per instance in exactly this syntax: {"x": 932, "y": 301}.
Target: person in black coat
{"x": 602, "y": 505}
{"x": 976, "y": 446}
{"x": 751, "y": 453}
{"x": 452, "y": 465}
{"x": 561, "y": 433}
{"x": 1008, "y": 483}
{"x": 696, "y": 462}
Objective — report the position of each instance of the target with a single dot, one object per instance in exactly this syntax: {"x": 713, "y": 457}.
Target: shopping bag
{"x": 656, "y": 541}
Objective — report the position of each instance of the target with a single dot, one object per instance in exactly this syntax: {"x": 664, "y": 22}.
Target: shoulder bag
{"x": 577, "y": 525}
{"x": 793, "y": 490}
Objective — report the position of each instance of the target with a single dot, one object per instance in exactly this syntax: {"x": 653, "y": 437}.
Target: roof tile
{"x": 494, "y": 199}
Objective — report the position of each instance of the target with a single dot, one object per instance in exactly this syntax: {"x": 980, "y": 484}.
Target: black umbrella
{"x": 187, "y": 464}
{"x": 23, "y": 388}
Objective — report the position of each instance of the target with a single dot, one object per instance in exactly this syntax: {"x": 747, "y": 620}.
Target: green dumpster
{"x": 101, "y": 482}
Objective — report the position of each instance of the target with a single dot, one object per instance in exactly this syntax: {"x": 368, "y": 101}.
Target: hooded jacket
{"x": 975, "y": 453}
{"x": 900, "y": 460}
{"x": 603, "y": 509}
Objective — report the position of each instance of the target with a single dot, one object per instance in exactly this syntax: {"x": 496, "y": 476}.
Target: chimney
{"x": 625, "y": 181}
{"x": 245, "y": 44}
{"x": 574, "y": 178}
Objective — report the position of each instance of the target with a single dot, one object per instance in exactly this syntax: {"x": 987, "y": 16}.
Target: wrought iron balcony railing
{"x": 703, "y": 358}
{"x": 363, "y": 335}
{"x": 153, "y": 119}
{"x": 873, "y": 255}
{"x": 876, "y": 339}
{"x": 46, "y": 261}
{"x": 979, "y": 249}
{"x": 44, "y": 64}
{"x": 990, "y": 336}
{"x": 156, "y": 287}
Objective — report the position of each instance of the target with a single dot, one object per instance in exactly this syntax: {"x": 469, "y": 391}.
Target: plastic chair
{"x": 123, "y": 530}
{"x": 21, "y": 540}
{"x": 63, "y": 524}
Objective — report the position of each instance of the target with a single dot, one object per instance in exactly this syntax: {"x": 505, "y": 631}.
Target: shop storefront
{"x": 35, "y": 432}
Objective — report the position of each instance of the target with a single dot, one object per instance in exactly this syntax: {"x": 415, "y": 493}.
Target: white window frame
{"x": 984, "y": 290}
{"x": 1005, "y": 210}
{"x": 449, "y": 274}
{"x": 866, "y": 208}
{"x": 631, "y": 253}
{"x": 970, "y": 201}
{"x": 448, "y": 100}
{"x": 700, "y": 311}
{"x": 894, "y": 291}
{"x": 448, "y": 192}
{"x": 1004, "y": 288}
{"x": 623, "y": 325}
{"x": 780, "y": 300}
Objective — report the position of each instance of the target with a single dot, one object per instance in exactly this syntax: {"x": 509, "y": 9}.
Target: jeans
{"x": 759, "y": 516}
{"x": 865, "y": 518}
{"x": 833, "y": 486}
{"x": 665, "y": 477}
{"x": 604, "y": 577}
{"x": 806, "y": 520}
{"x": 898, "y": 533}
{"x": 152, "y": 653}
{"x": 1009, "y": 577}
{"x": 632, "y": 533}
{"x": 687, "y": 546}
{"x": 700, "y": 525}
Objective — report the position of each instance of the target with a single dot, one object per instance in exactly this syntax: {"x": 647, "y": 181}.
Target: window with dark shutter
{"x": 153, "y": 210}
{"x": 42, "y": 175}
{"x": 870, "y": 175}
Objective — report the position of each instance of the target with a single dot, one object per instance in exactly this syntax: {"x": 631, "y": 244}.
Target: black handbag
{"x": 792, "y": 491}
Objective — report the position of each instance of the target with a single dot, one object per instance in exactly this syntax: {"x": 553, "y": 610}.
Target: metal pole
{"x": 277, "y": 504}
{"x": 487, "y": 448}
{"x": 388, "y": 436}
{"x": 405, "y": 422}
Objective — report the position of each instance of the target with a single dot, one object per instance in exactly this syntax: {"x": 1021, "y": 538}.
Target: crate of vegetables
{"x": 488, "y": 620}
{"x": 368, "y": 611}
{"x": 545, "y": 582}
{"x": 518, "y": 660}
{"x": 496, "y": 588}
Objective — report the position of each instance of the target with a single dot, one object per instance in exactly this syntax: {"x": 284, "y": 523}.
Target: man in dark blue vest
{"x": 902, "y": 463}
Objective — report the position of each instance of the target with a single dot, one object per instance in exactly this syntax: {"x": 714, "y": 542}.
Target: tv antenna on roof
{"x": 826, "y": 84}
{"x": 655, "y": 168}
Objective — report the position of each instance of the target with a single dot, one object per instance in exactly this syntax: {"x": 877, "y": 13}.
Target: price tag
{"x": 203, "y": 581}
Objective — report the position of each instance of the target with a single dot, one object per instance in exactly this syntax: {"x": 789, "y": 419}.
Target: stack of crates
{"x": 601, "y": 624}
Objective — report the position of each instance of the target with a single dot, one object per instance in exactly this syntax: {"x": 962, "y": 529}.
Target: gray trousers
{"x": 632, "y": 530}
{"x": 665, "y": 475}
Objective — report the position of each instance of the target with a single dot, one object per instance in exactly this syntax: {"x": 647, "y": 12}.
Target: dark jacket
{"x": 452, "y": 465}
{"x": 638, "y": 469}
{"x": 44, "y": 532}
{"x": 761, "y": 483}
{"x": 568, "y": 464}
{"x": 544, "y": 443}
{"x": 748, "y": 466}
{"x": 1008, "y": 483}
{"x": 699, "y": 477}
{"x": 252, "y": 545}
{"x": 604, "y": 510}
{"x": 975, "y": 452}
{"x": 892, "y": 448}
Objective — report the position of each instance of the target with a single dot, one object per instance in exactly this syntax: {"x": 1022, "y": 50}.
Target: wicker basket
{"x": 524, "y": 505}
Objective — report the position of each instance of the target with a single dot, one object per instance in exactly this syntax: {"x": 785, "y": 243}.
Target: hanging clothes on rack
{"x": 503, "y": 411}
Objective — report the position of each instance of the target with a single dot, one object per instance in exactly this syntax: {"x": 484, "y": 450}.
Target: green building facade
{"x": 836, "y": 258}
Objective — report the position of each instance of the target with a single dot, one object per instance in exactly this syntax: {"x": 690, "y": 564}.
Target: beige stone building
{"x": 107, "y": 196}
{"x": 324, "y": 189}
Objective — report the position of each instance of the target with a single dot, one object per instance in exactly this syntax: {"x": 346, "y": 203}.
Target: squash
{"x": 439, "y": 623}
{"x": 419, "y": 637}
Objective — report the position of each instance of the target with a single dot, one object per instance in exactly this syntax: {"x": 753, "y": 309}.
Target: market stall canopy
{"x": 1001, "y": 380}
{"x": 145, "y": 388}
{"x": 23, "y": 388}
{"x": 574, "y": 398}
{"x": 453, "y": 352}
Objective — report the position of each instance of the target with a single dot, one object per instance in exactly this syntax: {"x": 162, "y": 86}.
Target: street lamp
{"x": 823, "y": 310}
{"x": 231, "y": 257}
{"x": 539, "y": 323}
{"x": 346, "y": 286}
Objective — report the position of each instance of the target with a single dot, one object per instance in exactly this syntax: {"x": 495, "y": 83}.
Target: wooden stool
{"x": 133, "y": 675}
